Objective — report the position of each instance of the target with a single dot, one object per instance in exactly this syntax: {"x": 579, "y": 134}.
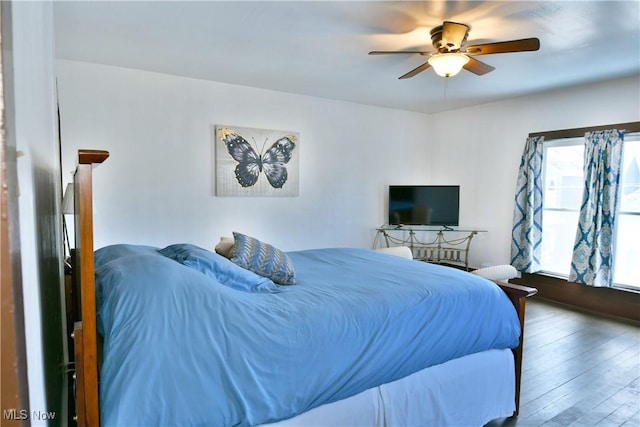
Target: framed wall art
{"x": 256, "y": 162}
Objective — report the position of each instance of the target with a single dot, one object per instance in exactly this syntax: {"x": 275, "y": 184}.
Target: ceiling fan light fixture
{"x": 448, "y": 64}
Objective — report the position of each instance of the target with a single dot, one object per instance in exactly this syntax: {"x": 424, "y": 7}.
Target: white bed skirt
{"x": 468, "y": 391}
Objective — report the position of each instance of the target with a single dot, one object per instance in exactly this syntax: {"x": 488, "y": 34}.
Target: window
{"x": 627, "y": 240}
{"x": 562, "y": 187}
{"x": 563, "y": 183}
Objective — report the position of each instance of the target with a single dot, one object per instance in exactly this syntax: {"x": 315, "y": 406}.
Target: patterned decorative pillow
{"x": 263, "y": 259}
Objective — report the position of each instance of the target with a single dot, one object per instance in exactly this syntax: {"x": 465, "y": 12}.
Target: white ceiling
{"x": 319, "y": 48}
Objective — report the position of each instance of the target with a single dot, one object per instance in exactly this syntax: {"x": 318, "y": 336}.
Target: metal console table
{"x": 440, "y": 249}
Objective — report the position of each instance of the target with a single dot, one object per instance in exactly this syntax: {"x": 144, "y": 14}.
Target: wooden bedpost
{"x": 518, "y": 295}
{"x": 85, "y": 333}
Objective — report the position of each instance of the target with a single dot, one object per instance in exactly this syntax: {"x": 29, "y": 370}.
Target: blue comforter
{"x": 181, "y": 348}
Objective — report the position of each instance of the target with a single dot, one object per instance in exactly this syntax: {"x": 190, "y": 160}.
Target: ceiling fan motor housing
{"x": 450, "y": 39}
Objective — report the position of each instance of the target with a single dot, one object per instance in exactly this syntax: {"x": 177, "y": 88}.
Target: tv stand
{"x": 450, "y": 249}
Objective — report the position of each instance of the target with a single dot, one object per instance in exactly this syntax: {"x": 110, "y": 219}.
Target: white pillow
{"x": 502, "y": 272}
{"x": 401, "y": 251}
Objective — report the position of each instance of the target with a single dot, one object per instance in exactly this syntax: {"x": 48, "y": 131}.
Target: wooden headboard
{"x": 84, "y": 329}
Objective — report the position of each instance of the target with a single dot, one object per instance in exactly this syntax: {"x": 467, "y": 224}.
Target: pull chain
{"x": 446, "y": 86}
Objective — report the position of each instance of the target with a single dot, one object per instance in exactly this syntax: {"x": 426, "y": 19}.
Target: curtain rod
{"x": 577, "y": 132}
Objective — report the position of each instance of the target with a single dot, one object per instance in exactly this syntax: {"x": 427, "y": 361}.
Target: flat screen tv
{"x": 424, "y": 205}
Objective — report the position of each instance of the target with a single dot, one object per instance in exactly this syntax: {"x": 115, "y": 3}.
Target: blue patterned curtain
{"x": 592, "y": 253}
{"x": 526, "y": 235}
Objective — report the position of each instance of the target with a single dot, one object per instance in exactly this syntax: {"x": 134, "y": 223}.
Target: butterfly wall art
{"x": 256, "y": 162}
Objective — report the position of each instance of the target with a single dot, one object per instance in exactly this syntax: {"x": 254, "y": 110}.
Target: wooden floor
{"x": 578, "y": 370}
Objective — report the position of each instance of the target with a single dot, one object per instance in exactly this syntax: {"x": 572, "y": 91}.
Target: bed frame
{"x": 83, "y": 298}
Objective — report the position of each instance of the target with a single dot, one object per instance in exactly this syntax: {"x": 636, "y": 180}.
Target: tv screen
{"x": 424, "y": 204}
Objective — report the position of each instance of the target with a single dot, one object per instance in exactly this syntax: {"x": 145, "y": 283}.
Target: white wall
{"x": 480, "y": 149}
{"x": 157, "y": 187}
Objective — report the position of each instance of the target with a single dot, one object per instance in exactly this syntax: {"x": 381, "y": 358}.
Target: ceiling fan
{"x": 452, "y": 55}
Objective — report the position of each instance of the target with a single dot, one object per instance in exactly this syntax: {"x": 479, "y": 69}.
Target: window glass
{"x": 627, "y": 241}
{"x": 562, "y": 183}
{"x": 558, "y": 237}
{"x": 630, "y": 179}
{"x": 563, "y": 176}
{"x": 627, "y": 251}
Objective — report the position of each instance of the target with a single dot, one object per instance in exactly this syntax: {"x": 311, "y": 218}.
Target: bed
{"x": 191, "y": 337}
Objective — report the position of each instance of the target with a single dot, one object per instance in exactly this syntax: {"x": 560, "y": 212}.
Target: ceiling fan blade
{"x": 478, "y": 67}
{"x": 392, "y": 52}
{"x": 454, "y": 35}
{"x": 415, "y": 71}
{"x": 522, "y": 45}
